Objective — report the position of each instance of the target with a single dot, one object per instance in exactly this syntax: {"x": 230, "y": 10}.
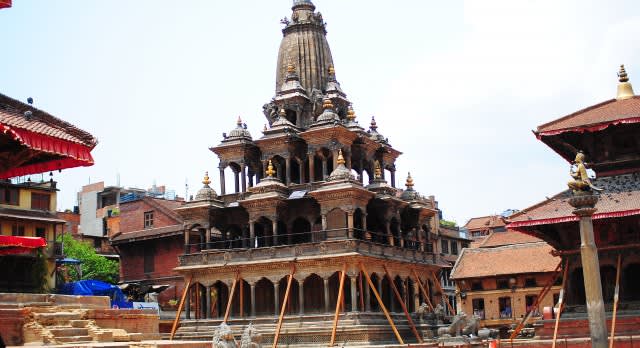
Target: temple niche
{"x": 300, "y": 220}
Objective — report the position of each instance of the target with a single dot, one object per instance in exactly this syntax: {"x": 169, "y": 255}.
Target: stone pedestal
{"x": 585, "y": 207}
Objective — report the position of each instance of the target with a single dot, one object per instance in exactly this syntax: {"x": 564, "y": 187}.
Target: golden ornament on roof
{"x": 377, "y": 171}
{"x": 327, "y": 104}
{"x": 622, "y": 74}
{"x": 351, "y": 115}
{"x": 625, "y": 90}
{"x": 409, "y": 183}
{"x": 239, "y": 121}
{"x": 340, "y": 158}
{"x": 270, "y": 171}
{"x": 206, "y": 180}
{"x": 331, "y": 70}
{"x": 291, "y": 68}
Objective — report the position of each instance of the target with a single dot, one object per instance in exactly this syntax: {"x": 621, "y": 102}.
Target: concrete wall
{"x": 90, "y": 223}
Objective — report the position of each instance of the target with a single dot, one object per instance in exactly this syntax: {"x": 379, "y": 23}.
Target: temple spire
{"x": 625, "y": 90}
{"x": 206, "y": 181}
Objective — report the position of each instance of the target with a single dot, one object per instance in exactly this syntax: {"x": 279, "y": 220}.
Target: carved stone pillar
{"x": 324, "y": 169}
{"x": 222, "y": 183}
{"x": 207, "y": 238}
{"x": 253, "y": 298}
{"x": 287, "y": 162}
{"x": 311, "y": 167}
{"x": 350, "y": 224}
{"x": 207, "y": 306}
{"x": 367, "y": 295}
{"x": 244, "y": 177}
{"x": 393, "y": 178}
{"x": 347, "y": 158}
{"x": 276, "y": 298}
{"x": 252, "y": 234}
{"x": 187, "y": 247}
{"x": 236, "y": 178}
{"x": 250, "y": 175}
{"x": 274, "y": 228}
{"x": 362, "y": 171}
{"x": 301, "y": 295}
{"x": 379, "y": 285}
{"x": 364, "y": 225}
{"x": 416, "y": 295}
{"x": 187, "y": 305}
{"x": 387, "y": 227}
{"x": 354, "y": 293}
{"x": 326, "y": 294}
{"x": 302, "y": 170}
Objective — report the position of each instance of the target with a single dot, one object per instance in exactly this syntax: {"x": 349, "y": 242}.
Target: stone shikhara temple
{"x": 301, "y": 207}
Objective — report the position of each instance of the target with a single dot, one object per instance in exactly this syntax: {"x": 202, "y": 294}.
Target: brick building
{"x": 499, "y": 281}
{"x": 478, "y": 228}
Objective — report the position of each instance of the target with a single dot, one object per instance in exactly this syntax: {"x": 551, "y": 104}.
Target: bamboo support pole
{"x": 560, "y": 301}
{"x": 384, "y": 309}
{"x": 445, "y": 297}
{"x": 615, "y": 302}
{"x": 338, "y": 304}
{"x": 425, "y": 294}
{"x": 285, "y": 300}
{"x": 402, "y": 304}
{"x": 180, "y": 306}
{"x": 230, "y": 300}
{"x": 541, "y": 295}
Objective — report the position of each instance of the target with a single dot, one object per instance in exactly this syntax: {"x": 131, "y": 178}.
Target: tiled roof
{"x": 12, "y": 115}
{"x": 505, "y": 260}
{"x": 606, "y": 112}
{"x": 29, "y": 214}
{"x": 483, "y": 222}
{"x": 147, "y": 234}
{"x": 509, "y": 237}
{"x": 621, "y": 197}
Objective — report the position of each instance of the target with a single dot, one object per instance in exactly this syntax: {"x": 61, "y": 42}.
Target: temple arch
{"x": 334, "y": 286}
{"x": 313, "y": 294}
{"x": 265, "y": 297}
{"x": 293, "y": 302}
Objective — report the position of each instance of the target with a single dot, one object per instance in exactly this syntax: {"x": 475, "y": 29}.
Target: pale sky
{"x": 457, "y": 86}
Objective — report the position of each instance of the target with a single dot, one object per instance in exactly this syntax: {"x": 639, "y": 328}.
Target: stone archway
{"x": 265, "y": 297}
{"x": 313, "y": 294}
{"x": 334, "y": 285}
{"x": 293, "y": 302}
{"x": 219, "y": 299}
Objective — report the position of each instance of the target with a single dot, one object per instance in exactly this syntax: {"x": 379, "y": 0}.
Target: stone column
{"x": 585, "y": 207}
{"x": 244, "y": 177}
{"x": 187, "y": 305}
{"x": 387, "y": 227}
{"x": 207, "y": 238}
{"x": 367, "y": 295}
{"x": 416, "y": 296}
{"x": 324, "y": 169}
{"x": 186, "y": 241}
{"x": 311, "y": 167}
{"x": 324, "y": 226}
{"x": 347, "y": 159}
{"x": 207, "y": 306}
{"x": 236, "y": 178}
{"x": 253, "y": 298}
{"x": 393, "y": 178}
{"x": 287, "y": 162}
{"x": 364, "y": 225}
{"x": 362, "y": 171}
{"x": 222, "y": 183}
{"x": 350, "y": 224}
{"x": 274, "y": 227}
{"x": 250, "y": 174}
{"x": 379, "y": 285}
{"x": 276, "y": 297}
{"x": 301, "y": 295}
{"x": 354, "y": 292}
{"x": 252, "y": 234}
{"x": 326, "y": 294}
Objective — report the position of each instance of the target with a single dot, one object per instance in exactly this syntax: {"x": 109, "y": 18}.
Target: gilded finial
{"x": 327, "y": 104}
{"x": 206, "y": 180}
{"x": 340, "y": 158}
{"x": 374, "y": 125}
{"x": 351, "y": 115}
{"x": 291, "y": 68}
{"x": 282, "y": 113}
{"x": 270, "y": 171}
{"x": 409, "y": 183}
{"x": 332, "y": 70}
{"x": 625, "y": 90}
{"x": 377, "y": 171}
{"x": 239, "y": 121}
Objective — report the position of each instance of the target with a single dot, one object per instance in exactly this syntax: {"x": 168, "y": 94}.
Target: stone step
{"x": 57, "y": 316}
{"x": 79, "y": 323}
{"x": 68, "y": 331}
{"x": 74, "y": 339}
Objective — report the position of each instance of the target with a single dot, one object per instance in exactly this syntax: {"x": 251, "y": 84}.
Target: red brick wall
{"x": 73, "y": 221}
{"x": 132, "y": 216}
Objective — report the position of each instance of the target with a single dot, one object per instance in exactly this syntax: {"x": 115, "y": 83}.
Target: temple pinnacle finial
{"x": 270, "y": 171}
{"x": 409, "y": 183}
{"x": 374, "y": 125}
{"x": 327, "y": 104}
{"x": 340, "y": 158}
{"x": 239, "y": 121}
{"x": 351, "y": 115}
{"x": 291, "y": 68}
{"x": 625, "y": 90}
{"x": 377, "y": 171}
{"x": 206, "y": 180}
{"x": 282, "y": 113}
{"x": 331, "y": 70}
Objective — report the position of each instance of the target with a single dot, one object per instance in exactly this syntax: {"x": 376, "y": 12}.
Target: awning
{"x": 19, "y": 245}
{"x": 5, "y": 3}
{"x": 71, "y": 154}
{"x": 69, "y": 261}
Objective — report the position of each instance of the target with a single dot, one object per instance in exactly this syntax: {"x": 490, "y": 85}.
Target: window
{"x": 504, "y": 304}
{"x": 41, "y": 232}
{"x": 40, "y": 201}
{"x": 454, "y": 247}
{"x": 17, "y": 230}
{"x": 8, "y": 195}
{"x": 149, "y": 253}
{"x": 148, "y": 219}
{"x": 445, "y": 246}
{"x": 503, "y": 283}
{"x": 478, "y": 307}
{"x": 476, "y": 286}
{"x": 530, "y": 300}
{"x": 530, "y": 282}
{"x": 429, "y": 247}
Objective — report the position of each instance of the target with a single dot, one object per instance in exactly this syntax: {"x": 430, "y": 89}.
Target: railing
{"x": 305, "y": 244}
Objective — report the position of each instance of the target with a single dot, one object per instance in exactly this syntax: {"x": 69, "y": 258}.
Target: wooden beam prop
{"x": 560, "y": 301}
{"x": 180, "y": 306}
{"x": 446, "y": 298}
{"x": 615, "y": 302}
{"x": 541, "y": 295}
{"x": 425, "y": 293}
{"x": 338, "y": 304}
{"x": 404, "y": 307}
{"x": 230, "y": 300}
{"x": 384, "y": 309}
{"x": 283, "y": 308}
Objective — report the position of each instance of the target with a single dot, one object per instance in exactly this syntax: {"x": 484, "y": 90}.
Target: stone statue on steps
{"x": 251, "y": 338}
{"x": 461, "y": 324}
{"x": 223, "y": 337}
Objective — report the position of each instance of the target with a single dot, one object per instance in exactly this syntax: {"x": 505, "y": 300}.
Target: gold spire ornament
{"x": 282, "y": 113}
{"x": 351, "y": 115}
{"x": 409, "y": 183}
{"x": 340, "y": 158}
{"x": 270, "y": 171}
{"x": 327, "y": 104}
{"x": 239, "y": 121}
{"x": 377, "y": 171}
{"x": 374, "y": 125}
{"x": 291, "y": 68}
{"x": 331, "y": 70}
{"x": 206, "y": 180}
{"x": 625, "y": 90}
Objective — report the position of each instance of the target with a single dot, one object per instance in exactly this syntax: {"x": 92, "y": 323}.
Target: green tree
{"x": 447, "y": 223}
{"x": 94, "y": 265}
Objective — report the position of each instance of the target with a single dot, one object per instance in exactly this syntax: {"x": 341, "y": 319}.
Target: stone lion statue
{"x": 251, "y": 338}
{"x": 223, "y": 337}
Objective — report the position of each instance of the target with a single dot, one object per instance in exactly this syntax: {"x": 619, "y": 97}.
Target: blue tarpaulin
{"x": 97, "y": 288}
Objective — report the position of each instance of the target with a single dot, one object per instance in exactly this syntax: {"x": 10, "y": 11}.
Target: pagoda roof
{"x": 620, "y": 198}
{"x": 509, "y": 237}
{"x": 594, "y": 118}
{"x": 53, "y": 143}
{"x": 485, "y": 222}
